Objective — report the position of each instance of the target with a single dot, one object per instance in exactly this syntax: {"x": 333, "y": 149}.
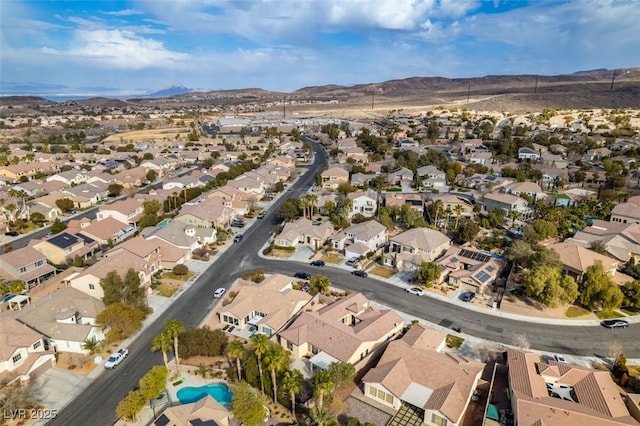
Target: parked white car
{"x": 219, "y": 293}
{"x": 116, "y": 358}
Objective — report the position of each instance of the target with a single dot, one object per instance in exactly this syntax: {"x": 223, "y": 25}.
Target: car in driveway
{"x": 559, "y": 358}
{"x": 219, "y": 293}
{"x": 359, "y": 273}
{"x": 238, "y": 238}
{"x": 415, "y": 291}
{"x": 352, "y": 261}
{"x": 467, "y": 296}
{"x": 614, "y": 323}
{"x": 302, "y": 276}
{"x": 318, "y": 263}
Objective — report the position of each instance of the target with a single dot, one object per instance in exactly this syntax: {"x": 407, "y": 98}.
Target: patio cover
{"x": 492, "y": 412}
{"x": 416, "y": 395}
{"x": 322, "y": 360}
{"x": 255, "y": 320}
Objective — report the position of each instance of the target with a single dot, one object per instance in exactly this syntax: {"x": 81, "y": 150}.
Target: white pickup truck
{"x": 116, "y": 358}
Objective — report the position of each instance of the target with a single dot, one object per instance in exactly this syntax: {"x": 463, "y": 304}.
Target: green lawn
{"x": 382, "y": 272}
{"x": 608, "y": 314}
{"x": 172, "y": 276}
{"x": 575, "y": 311}
{"x": 454, "y": 342}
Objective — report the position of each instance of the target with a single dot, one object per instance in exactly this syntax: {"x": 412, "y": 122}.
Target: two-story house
{"x": 25, "y": 264}
{"x": 508, "y": 203}
{"x": 410, "y": 248}
{"x": 64, "y": 247}
{"x": 23, "y": 354}
{"x": 360, "y": 238}
{"x": 364, "y": 203}
{"x": 126, "y": 211}
{"x": 333, "y": 177}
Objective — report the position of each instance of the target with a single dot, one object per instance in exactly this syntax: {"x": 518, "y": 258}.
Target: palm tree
{"x": 446, "y": 223}
{"x": 438, "y": 207}
{"x": 321, "y": 416}
{"x": 90, "y": 344}
{"x": 313, "y": 201}
{"x": 173, "y": 328}
{"x": 236, "y": 350}
{"x": 458, "y": 209}
{"x": 304, "y": 204}
{"x": 259, "y": 343}
{"x": 162, "y": 342}
{"x": 292, "y": 382}
{"x": 277, "y": 359}
{"x": 322, "y": 385}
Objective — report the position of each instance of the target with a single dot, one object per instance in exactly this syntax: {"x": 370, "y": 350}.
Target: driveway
{"x": 61, "y": 387}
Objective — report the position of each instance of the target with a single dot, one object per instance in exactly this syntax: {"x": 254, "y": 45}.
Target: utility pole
{"x": 613, "y": 79}
{"x": 535, "y": 89}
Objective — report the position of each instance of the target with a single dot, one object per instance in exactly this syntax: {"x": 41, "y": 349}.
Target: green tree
{"x": 90, "y": 344}
{"x": 236, "y": 350}
{"x": 321, "y": 416}
{"x": 276, "y": 360}
{"x": 131, "y": 405}
{"x": 549, "y": 286}
{"x": 153, "y": 382}
{"x": 15, "y": 286}
{"x": 151, "y": 175}
{"x": 65, "y": 204}
{"x": 342, "y": 374}
{"x": 428, "y": 273}
{"x": 293, "y": 382}
{"x": 162, "y": 342}
{"x": 598, "y": 289}
{"x": 203, "y": 341}
{"x": 37, "y": 217}
{"x": 247, "y": 405}
{"x": 58, "y": 226}
{"x": 260, "y": 345}
{"x": 322, "y": 386}
{"x": 520, "y": 253}
{"x": 319, "y": 284}
{"x": 147, "y": 156}
{"x": 150, "y": 216}
{"x": 112, "y": 288}
{"x": 385, "y": 219}
{"x": 173, "y": 328}
{"x": 133, "y": 292}
{"x": 466, "y": 231}
{"x": 289, "y": 210}
{"x": 122, "y": 320}
{"x": 114, "y": 189}
{"x": 631, "y": 292}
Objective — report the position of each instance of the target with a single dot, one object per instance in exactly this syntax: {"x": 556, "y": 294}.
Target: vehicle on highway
{"x": 238, "y": 238}
{"x": 415, "y": 290}
{"x": 116, "y": 358}
{"x": 559, "y": 358}
{"x": 12, "y": 233}
{"x": 467, "y": 296}
{"x": 352, "y": 261}
{"x": 359, "y": 273}
{"x": 261, "y": 214}
{"x": 614, "y": 324}
{"x": 219, "y": 293}
{"x": 302, "y": 276}
{"x": 318, "y": 263}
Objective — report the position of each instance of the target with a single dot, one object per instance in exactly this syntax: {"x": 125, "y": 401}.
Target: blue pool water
{"x": 219, "y": 391}
{"x": 164, "y": 223}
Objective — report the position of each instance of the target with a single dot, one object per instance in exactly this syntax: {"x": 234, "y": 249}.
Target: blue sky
{"x": 91, "y": 47}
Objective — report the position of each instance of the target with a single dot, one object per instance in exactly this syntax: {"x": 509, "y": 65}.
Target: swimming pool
{"x": 219, "y": 391}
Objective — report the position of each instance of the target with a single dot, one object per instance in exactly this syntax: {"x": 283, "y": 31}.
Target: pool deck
{"x": 188, "y": 380}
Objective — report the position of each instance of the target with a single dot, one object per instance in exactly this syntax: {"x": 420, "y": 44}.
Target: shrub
{"x": 180, "y": 270}
{"x": 202, "y": 341}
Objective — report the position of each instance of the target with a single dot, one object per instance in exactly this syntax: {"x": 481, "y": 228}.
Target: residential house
{"x": 361, "y": 179}
{"x": 303, "y": 232}
{"x": 65, "y": 247}
{"x": 364, "y": 203}
{"x": 410, "y": 248}
{"x": 25, "y": 264}
{"x": 206, "y": 411}
{"x": 23, "y": 354}
{"x": 128, "y": 211}
{"x": 30, "y": 170}
{"x": 484, "y": 158}
{"x": 120, "y": 261}
{"x": 252, "y": 186}
{"x": 360, "y": 238}
{"x": 108, "y": 231}
{"x": 264, "y": 307}
{"x": 131, "y": 178}
{"x": 333, "y": 177}
{"x": 212, "y": 213}
{"x": 469, "y": 270}
{"x": 411, "y": 371}
{"x": 66, "y": 319}
{"x": 69, "y": 178}
{"x": 620, "y": 240}
{"x": 182, "y": 236}
{"x": 182, "y": 182}
{"x": 510, "y": 204}
{"x": 528, "y": 154}
{"x": 486, "y": 182}
{"x": 30, "y": 188}
{"x": 87, "y": 194}
{"x": 347, "y": 330}
{"x": 559, "y": 394}
{"x": 400, "y": 177}
{"x": 432, "y": 178}
{"x": 628, "y": 212}
{"x": 531, "y": 189}
{"x": 577, "y": 259}
{"x": 453, "y": 203}
{"x": 555, "y": 161}
{"x": 159, "y": 164}
{"x": 398, "y": 199}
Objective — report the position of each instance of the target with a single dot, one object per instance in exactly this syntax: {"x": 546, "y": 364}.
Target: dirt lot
{"x": 77, "y": 363}
{"x": 523, "y": 306}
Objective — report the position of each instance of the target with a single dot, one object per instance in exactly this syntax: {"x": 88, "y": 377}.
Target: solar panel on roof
{"x": 490, "y": 268}
{"x": 474, "y": 255}
{"x": 163, "y": 420}
{"x": 455, "y": 259}
{"x": 483, "y": 277}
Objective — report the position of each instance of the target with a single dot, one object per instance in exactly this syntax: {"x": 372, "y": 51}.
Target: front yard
{"x": 382, "y": 271}
{"x": 331, "y": 257}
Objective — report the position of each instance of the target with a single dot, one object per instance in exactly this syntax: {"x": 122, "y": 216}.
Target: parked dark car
{"x": 360, "y": 273}
{"x": 238, "y": 238}
{"x": 302, "y": 275}
{"x": 467, "y": 296}
{"x": 615, "y": 323}
{"x": 318, "y": 263}
{"x": 12, "y": 233}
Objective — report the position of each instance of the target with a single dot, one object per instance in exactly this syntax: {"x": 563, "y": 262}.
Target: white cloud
{"x": 119, "y": 49}
{"x": 124, "y": 12}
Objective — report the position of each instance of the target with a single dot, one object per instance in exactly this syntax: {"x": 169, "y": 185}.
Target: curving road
{"x": 96, "y": 405}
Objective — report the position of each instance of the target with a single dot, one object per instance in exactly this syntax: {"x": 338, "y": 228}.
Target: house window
{"x": 372, "y": 391}
{"x": 92, "y": 286}
{"x": 437, "y": 420}
{"x": 17, "y": 358}
{"x": 37, "y": 344}
{"x": 39, "y": 263}
{"x": 23, "y": 269}
{"x": 389, "y": 398}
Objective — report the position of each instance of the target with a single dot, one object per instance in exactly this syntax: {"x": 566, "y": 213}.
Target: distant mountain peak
{"x": 173, "y": 90}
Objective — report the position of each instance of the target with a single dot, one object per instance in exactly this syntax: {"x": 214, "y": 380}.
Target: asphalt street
{"x": 96, "y": 405}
